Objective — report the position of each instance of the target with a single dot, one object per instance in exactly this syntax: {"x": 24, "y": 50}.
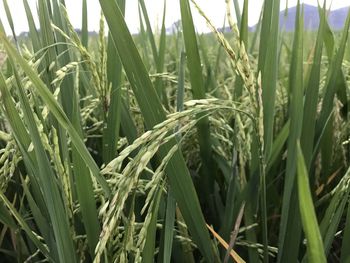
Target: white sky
{"x": 215, "y": 10}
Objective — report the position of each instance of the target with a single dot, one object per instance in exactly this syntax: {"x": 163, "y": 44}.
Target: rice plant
{"x": 182, "y": 147}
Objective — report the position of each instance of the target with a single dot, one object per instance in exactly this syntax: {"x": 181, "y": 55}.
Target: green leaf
{"x": 334, "y": 212}
{"x": 114, "y": 77}
{"x": 238, "y": 12}
{"x": 149, "y": 30}
{"x": 58, "y": 217}
{"x": 244, "y": 24}
{"x": 34, "y": 36}
{"x": 166, "y": 243}
{"x": 84, "y": 186}
{"x": 315, "y": 249}
{"x": 311, "y": 96}
{"x": 153, "y": 113}
{"x": 278, "y": 144}
{"x": 5, "y": 217}
{"x": 25, "y": 227}
{"x": 149, "y": 249}
{"x": 333, "y": 75}
{"x": 268, "y": 66}
{"x": 56, "y": 110}
{"x": 10, "y": 20}
{"x": 197, "y": 87}
{"x": 84, "y": 25}
{"x": 345, "y": 253}
{"x": 290, "y": 221}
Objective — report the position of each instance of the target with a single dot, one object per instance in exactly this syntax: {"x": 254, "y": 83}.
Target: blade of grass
{"x": 328, "y": 37}
{"x": 22, "y": 222}
{"x": 47, "y": 40}
{"x": 334, "y": 212}
{"x": 329, "y": 231}
{"x": 41, "y": 221}
{"x": 278, "y": 145}
{"x": 192, "y": 51}
{"x": 82, "y": 180}
{"x": 181, "y": 83}
{"x": 315, "y": 249}
{"x": 143, "y": 36}
{"x": 345, "y": 253}
{"x": 22, "y": 138}
{"x": 238, "y": 12}
{"x": 33, "y": 33}
{"x": 268, "y": 66}
{"x": 149, "y": 30}
{"x": 311, "y": 96}
{"x": 114, "y": 76}
{"x": 233, "y": 254}
{"x": 197, "y": 87}
{"x": 219, "y": 56}
{"x": 153, "y": 113}
{"x": 159, "y": 85}
{"x": 56, "y": 110}
{"x": 84, "y": 25}
{"x": 334, "y": 72}
{"x": 234, "y": 233}
{"x": 209, "y": 80}
{"x": 231, "y": 195}
{"x": 158, "y": 55}
{"x": 243, "y": 34}
{"x": 166, "y": 243}
{"x": 10, "y": 21}
{"x": 290, "y": 223}
{"x": 84, "y": 185}
{"x": 58, "y": 217}
{"x": 6, "y": 218}
{"x": 149, "y": 249}
{"x": 244, "y": 24}
{"x": 64, "y": 58}
{"x": 127, "y": 125}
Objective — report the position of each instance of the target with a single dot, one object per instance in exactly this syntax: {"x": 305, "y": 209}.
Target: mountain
{"x": 336, "y": 18}
{"x": 311, "y": 18}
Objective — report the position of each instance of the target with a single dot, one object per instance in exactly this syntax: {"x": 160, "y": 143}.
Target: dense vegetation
{"x": 174, "y": 148}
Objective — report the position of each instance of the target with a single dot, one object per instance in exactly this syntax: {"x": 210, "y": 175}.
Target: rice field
{"x": 182, "y": 147}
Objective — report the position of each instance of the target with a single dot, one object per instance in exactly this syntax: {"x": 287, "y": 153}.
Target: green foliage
{"x": 173, "y": 148}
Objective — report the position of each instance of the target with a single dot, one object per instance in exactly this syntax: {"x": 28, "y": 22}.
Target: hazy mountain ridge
{"x": 336, "y": 18}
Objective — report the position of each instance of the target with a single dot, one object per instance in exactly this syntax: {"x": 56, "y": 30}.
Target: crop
{"x": 183, "y": 147}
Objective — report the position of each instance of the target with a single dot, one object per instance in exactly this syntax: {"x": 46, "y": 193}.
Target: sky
{"x": 214, "y": 9}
